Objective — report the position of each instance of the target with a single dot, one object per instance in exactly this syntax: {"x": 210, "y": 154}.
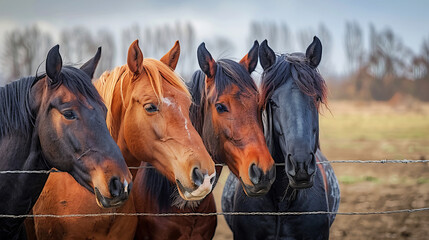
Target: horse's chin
{"x": 255, "y": 191}
{"x": 301, "y": 184}
{"x": 105, "y": 202}
{"x": 188, "y": 194}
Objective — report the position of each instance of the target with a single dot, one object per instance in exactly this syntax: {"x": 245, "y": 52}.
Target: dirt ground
{"x": 378, "y": 131}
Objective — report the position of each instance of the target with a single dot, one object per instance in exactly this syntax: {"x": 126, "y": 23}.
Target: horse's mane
{"x": 156, "y": 72}
{"x": 228, "y": 72}
{"x": 15, "y": 111}
{"x": 309, "y": 80}
{"x": 159, "y": 188}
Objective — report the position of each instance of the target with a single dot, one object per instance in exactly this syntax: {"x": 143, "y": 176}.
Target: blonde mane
{"x": 157, "y": 73}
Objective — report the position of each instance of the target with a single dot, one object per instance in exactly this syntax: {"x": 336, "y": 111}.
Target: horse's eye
{"x": 69, "y": 115}
{"x": 272, "y": 103}
{"x": 151, "y": 108}
{"x": 220, "y": 108}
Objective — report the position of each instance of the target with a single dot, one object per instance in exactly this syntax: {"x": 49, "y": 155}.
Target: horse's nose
{"x": 257, "y": 175}
{"x": 197, "y": 177}
{"x": 303, "y": 164}
{"x": 117, "y": 188}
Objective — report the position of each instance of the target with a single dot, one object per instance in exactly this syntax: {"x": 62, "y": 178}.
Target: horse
{"x": 292, "y": 91}
{"x": 56, "y": 120}
{"x": 149, "y": 120}
{"x": 226, "y": 114}
{"x": 224, "y": 105}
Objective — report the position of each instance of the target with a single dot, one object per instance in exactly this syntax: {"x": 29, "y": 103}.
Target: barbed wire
{"x": 223, "y": 164}
{"x": 413, "y": 210}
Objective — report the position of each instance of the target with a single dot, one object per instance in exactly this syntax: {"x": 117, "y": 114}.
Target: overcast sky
{"x": 230, "y": 19}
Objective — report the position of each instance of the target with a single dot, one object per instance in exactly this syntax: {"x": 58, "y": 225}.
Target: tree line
{"x": 376, "y": 69}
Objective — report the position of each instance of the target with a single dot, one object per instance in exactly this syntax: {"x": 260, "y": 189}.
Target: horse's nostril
{"x": 255, "y": 174}
{"x": 290, "y": 167}
{"x": 115, "y": 187}
{"x": 197, "y": 177}
{"x": 311, "y": 167}
{"x": 272, "y": 173}
{"x": 130, "y": 186}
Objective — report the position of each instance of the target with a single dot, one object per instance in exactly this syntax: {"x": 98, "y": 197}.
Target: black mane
{"x": 309, "y": 80}
{"x": 159, "y": 188}
{"x": 15, "y": 112}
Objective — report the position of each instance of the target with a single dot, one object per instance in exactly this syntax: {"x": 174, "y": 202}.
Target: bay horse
{"x": 56, "y": 120}
{"x": 292, "y": 91}
{"x": 226, "y": 114}
{"x": 148, "y": 117}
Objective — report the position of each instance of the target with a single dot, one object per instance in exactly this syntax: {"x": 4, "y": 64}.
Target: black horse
{"x": 291, "y": 93}
{"x": 56, "y": 120}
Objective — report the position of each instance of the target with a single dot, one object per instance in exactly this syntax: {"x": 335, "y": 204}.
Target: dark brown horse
{"x": 148, "y": 116}
{"x": 56, "y": 120}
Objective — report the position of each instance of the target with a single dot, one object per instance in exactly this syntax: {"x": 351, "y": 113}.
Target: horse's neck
{"x": 19, "y": 192}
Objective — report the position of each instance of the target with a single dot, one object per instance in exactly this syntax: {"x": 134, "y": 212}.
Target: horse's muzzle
{"x": 118, "y": 191}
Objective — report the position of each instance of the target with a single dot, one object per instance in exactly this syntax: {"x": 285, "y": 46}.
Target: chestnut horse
{"x": 148, "y": 118}
{"x": 226, "y": 114}
{"x": 56, "y": 120}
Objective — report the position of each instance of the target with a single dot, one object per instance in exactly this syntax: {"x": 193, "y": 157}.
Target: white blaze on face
{"x": 186, "y": 122}
{"x": 168, "y": 102}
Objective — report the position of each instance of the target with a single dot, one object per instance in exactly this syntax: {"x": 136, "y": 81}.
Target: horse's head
{"x": 292, "y": 90}
{"x": 157, "y": 127}
{"x": 72, "y": 131}
{"x": 232, "y": 126}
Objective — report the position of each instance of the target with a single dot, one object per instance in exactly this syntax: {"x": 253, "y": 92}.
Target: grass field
{"x": 374, "y": 131}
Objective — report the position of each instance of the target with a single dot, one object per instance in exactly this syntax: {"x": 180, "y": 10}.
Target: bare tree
{"x": 325, "y": 37}
{"x": 78, "y": 45}
{"x": 305, "y": 37}
{"x": 278, "y": 35}
{"x": 353, "y": 42}
{"x": 25, "y": 51}
{"x": 128, "y": 36}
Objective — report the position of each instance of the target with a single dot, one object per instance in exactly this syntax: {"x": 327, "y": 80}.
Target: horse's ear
{"x": 90, "y": 66}
{"x": 172, "y": 57}
{"x": 266, "y": 55}
{"x": 135, "y": 58}
{"x": 314, "y": 52}
{"x": 251, "y": 59}
{"x": 54, "y": 64}
{"x": 206, "y": 62}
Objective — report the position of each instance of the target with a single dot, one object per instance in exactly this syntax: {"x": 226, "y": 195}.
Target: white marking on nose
{"x": 204, "y": 189}
{"x": 126, "y": 186}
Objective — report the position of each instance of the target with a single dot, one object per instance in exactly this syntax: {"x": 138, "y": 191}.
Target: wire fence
{"x": 212, "y": 214}
{"x": 385, "y": 161}
{"x": 406, "y": 161}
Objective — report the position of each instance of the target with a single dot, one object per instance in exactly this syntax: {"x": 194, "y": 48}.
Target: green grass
{"x": 374, "y": 131}
{"x": 353, "y": 179}
{"x": 347, "y": 179}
